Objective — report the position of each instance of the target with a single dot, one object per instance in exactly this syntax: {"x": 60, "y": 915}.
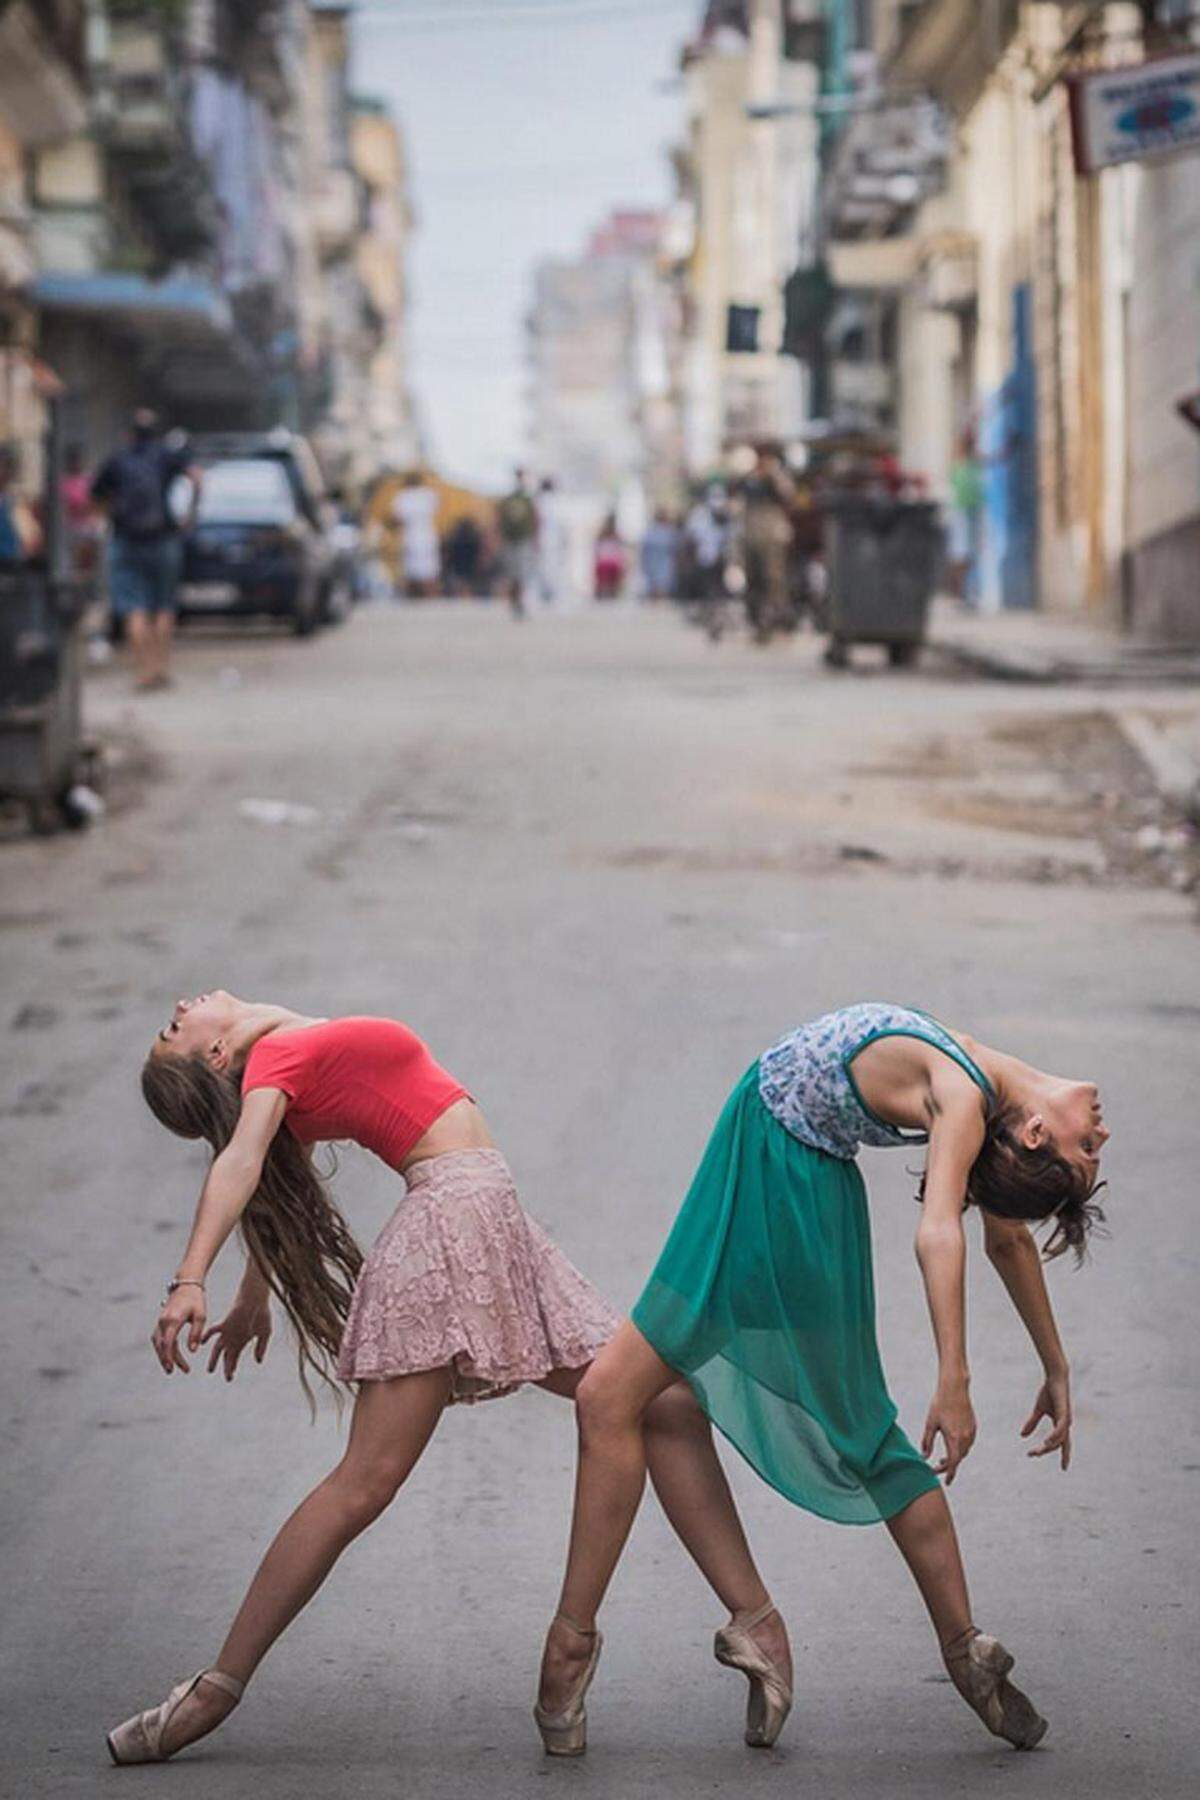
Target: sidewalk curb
{"x": 1175, "y": 774}
{"x": 984, "y": 662}
{"x": 1166, "y": 669}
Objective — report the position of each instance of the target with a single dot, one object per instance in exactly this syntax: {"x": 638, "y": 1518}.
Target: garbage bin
{"x": 883, "y": 562}
{"x": 41, "y": 661}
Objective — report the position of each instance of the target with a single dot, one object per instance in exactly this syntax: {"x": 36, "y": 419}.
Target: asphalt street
{"x": 599, "y": 864}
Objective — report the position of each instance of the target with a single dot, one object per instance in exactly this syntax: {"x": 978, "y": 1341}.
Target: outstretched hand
{"x": 182, "y": 1312}
{"x": 951, "y": 1417}
{"x": 240, "y": 1326}
{"x": 1054, "y": 1403}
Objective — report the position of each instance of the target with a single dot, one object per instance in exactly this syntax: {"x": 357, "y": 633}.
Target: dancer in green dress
{"x": 763, "y": 1298}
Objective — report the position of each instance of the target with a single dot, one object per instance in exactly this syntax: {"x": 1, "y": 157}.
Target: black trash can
{"x": 883, "y": 564}
{"x": 41, "y": 660}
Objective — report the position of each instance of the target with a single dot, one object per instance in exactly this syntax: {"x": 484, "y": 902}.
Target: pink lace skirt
{"x": 460, "y": 1275}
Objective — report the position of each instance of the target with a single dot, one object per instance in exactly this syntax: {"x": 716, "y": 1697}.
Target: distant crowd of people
{"x": 516, "y": 548}
{"x": 750, "y": 540}
{"x": 752, "y": 535}
{"x": 525, "y": 548}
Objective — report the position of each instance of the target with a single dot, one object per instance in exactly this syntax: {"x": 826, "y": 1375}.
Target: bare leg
{"x": 687, "y": 1476}
{"x": 978, "y": 1666}
{"x": 141, "y": 645}
{"x": 393, "y": 1421}
{"x": 690, "y": 1483}
{"x": 614, "y": 1401}
{"x": 693, "y": 1492}
{"x": 164, "y": 632}
{"x": 925, "y": 1536}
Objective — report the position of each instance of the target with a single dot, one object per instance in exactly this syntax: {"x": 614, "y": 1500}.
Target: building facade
{"x": 42, "y": 100}
{"x": 181, "y": 217}
{"x": 985, "y": 290}
{"x": 377, "y": 156}
{"x": 745, "y": 174}
{"x": 600, "y": 330}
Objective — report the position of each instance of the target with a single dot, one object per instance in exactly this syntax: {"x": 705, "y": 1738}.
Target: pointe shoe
{"x": 978, "y": 1667}
{"x": 770, "y": 1698}
{"x": 564, "y": 1733}
{"x": 139, "y": 1739}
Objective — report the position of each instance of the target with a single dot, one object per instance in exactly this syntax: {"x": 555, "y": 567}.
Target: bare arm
{"x": 1014, "y": 1256}
{"x": 227, "y": 1191}
{"x": 232, "y": 1180}
{"x": 248, "y": 1320}
{"x": 954, "y": 1142}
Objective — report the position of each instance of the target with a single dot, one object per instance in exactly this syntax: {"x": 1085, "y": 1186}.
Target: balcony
{"x": 863, "y": 391}
{"x": 949, "y": 271}
{"x": 948, "y": 48}
{"x": 16, "y": 256}
{"x": 143, "y": 125}
{"x": 145, "y": 98}
{"x": 888, "y": 262}
{"x": 889, "y": 159}
{"x": 73, "y": 240}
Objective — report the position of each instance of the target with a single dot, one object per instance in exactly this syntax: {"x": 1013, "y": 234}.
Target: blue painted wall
{"x": 1008, "y": 445}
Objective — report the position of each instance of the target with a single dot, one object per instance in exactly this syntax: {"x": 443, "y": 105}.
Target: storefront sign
{"x": 1146, "y": 109}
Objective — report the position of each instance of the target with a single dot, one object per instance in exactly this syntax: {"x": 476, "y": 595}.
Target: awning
{"x": 183, "y": 305}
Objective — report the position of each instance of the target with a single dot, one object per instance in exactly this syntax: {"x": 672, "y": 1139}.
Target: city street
{"x": 599, "y": 864}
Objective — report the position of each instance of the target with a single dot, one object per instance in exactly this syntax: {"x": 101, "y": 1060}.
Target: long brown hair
{"x": 292, "y": 1230}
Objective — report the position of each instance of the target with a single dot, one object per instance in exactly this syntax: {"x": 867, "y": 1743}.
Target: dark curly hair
{"x": 1013, "y": 1181}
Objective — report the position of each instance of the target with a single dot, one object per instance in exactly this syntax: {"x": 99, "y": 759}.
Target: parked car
{"x": 258, "y": 539}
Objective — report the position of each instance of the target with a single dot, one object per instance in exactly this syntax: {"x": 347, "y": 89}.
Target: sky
{"x": 526, "y": 122}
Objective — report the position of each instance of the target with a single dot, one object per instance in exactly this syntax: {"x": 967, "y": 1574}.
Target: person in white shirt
{"x": 415, "y": 511}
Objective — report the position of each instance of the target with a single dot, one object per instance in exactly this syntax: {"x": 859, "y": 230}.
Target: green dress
{"x": 764, "y": 1297}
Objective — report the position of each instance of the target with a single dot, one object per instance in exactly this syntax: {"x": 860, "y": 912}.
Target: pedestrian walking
{"x": 462, "y": 551}
{"x": 706, "y": 536}
{"x": 660, "y": 556}
{"x": 966, "y": 519}
{"x": 80, "y": 516}
{"x": 768, "y": 497}
{"x": 133, "y": 485}
{"x": 462, "y": 1298}
{"x": 553, "y": 545}
{"x": 517, "y": 522}
{"x": 609, "y": 561}
{"x": 415, "y": 511}
{"x": 763, "y": 1298}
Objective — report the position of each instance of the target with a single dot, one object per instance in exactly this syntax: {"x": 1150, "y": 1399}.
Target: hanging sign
{"x": 1142, "y": 109}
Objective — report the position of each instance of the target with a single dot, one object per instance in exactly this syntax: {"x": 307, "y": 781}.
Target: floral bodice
{"x": 806, "y": 1080}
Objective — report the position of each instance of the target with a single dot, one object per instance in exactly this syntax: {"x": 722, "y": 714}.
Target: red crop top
{"x": 372, "y": 1080}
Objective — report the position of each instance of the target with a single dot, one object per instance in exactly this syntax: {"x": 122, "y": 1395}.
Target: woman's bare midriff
{"x": 461, "y": 1127}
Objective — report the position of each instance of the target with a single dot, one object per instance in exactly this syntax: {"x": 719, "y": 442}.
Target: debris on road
{"x": 278, "y": 812}
{"x": 83, "y": 805}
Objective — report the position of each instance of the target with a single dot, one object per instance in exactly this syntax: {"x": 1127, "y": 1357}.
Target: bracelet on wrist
{"x": 178, "y": 1281}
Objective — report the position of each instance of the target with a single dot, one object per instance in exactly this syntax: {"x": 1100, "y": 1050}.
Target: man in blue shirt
{"x": 133, "y": 485}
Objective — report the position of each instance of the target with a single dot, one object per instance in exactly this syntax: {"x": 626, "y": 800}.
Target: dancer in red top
{"x": 462, "y": 1298}
{"x": 368, "y": 1079}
